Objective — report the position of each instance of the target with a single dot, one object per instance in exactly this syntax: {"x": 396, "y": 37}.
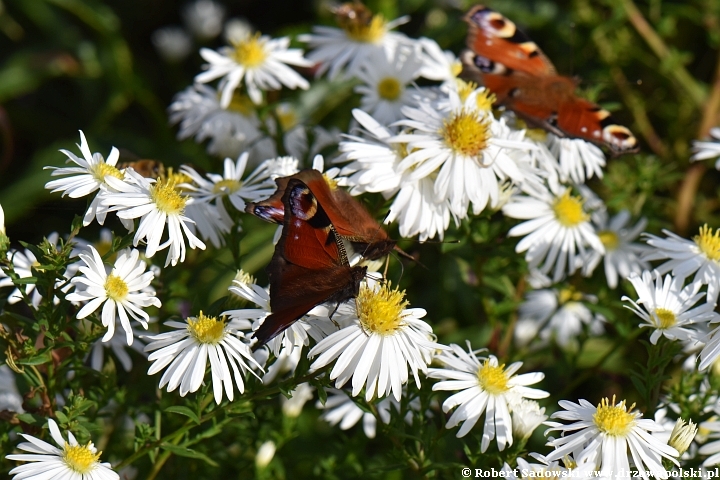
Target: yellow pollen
{"x": 250, "y": 52}
{"x": 569, "y": 294}
{"x": 708, "y": 243}
{"x": 166, "y": 197}
{"x": 227, "y": 186}
{"x": 456, "y": 68}
{"x": 389, "y": 88}
{"x": 666, "y": 317}
{"x": 609, "y": 239}
{"x": 80, "y": 458}
{"x": 370, "y": 32}
{"x": 116, "y": 288}
{"x": 614, "y": 420}
{"x": 206, "y": 329}
{"x": 493, "y": 378}
{"x": 401, "y": 150}
{"x": 464, "y": 88}
{"x": 380, "y": 311}
{"x": 240, "y": 104}
{"x": 485, "y": 100}
{"x": 100, "y": 170}
{"x": 569, "y": 210}
{"x": 466, "y": 133}
{"x": 332, "y": 183}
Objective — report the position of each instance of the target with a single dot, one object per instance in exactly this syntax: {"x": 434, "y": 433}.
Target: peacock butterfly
{"x": 510, "y": 65}
{"x": 309, "y": 266}
{"x": 348, "y": 217}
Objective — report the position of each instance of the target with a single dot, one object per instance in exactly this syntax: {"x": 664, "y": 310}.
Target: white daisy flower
{"x": 23, "y": 263}
{"x": 578, "y": 160}
{"x": 381, "y": 340}
{"x": 605, "y": 433}
{"x": 557, "y": 230}
{"x": 90, "y": 174}
{"x": 230, "y": 131}
{"x": 373, "y": 168}
{"x": 711, "y": 430}
{"x": 556, "y": 314}
{"x": 185, "y": 352}
{"x": 622, "y": 256}
{"x": 281, "y": 166}
{"x": 71, "y": 461}
{"x": 204, "y": 18}
{"x": 385, "y": 83}
{"x": 438, "y": 65}
{"x": 124, "y": 290}
{"x": 119, "y": 347}
{"x": 10, "y": 398}
{"x": 485, "y": 387}
{"x": 172, "y": 43}
{"x": 464, "y": 149}
{"x": 667, "y": 307}
{"x": 340, "y": 409}
{"x": 711, "y": 350}
{"x": 262, "y": 62}
{"x": 292, "y": 407}
{"x": 361, "y": 34}
{"x": 700, "y": 256}
{"x": 527, "y": 415}
{"x": 156, "y": 204}
{"x": 703, "y": 150}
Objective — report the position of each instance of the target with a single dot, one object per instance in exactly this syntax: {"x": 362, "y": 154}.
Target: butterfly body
{"x": 309, "y": 266}
{"x": 524, "y": 80}
{"x": 349, "y": 218}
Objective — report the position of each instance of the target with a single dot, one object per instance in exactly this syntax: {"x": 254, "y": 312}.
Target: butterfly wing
{"x": 496, "y": 40}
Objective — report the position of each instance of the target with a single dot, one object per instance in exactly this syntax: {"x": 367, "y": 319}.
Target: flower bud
{"x": 265, "y": 454}
{"x": 682, "y": 435}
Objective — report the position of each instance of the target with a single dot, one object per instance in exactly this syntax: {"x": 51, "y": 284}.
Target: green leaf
{"x": 184, "y": 411}
{"x": 36, "y": 360}
{"x": 187, "y": 452}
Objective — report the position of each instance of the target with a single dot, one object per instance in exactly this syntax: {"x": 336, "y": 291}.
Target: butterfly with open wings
{"x": 510, "y": 65}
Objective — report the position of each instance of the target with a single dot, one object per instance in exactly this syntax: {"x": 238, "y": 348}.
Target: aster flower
{"x": 381, "y": 340}
{"x": 667, "y": 307}
{"x": 439, "y": 65}
{"x": 703, "y": 150}
{"x": 556, "y": 313}
{"x": 90, "y": 174}
{"x": 385, "y": 83}
{"x": 204, "y": 18}
{"x": 700, "y": 256}
{"x": 578, "y": 160}
{"x": 292, "y": 407}
{"x": 124, "y": 290}
{"x": 622, "y": 256}
{"x": 712, "y": 432}
{"x": 230, "y": 130}
{"x": 486, "y": 387}
{"x": 71, "y": 461}
{"x": 463, "y": 148}
{"x": 156, "y": 204}
{"x": 682, "y": 435}
{"x": 22, "y": 262}
{"x": 527, "y": 415}
{"x": 711, "y": 350}
{"x": 606, "y": 433}
{"x": 260, "y": 61}
{"x": 557, "y": 230}
{"x": 340, "y": 409}
{"x": 119, "y": 347}
{"x": 373, "y": 168}
{"x": 348, "y": 47}
{"x": 185, "y": 350}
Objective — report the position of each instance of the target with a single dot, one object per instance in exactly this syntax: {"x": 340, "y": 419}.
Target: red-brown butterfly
{"x": 309, "y": 266}
{"x": 348, "y": 217}
{"x": 522, "y": 78}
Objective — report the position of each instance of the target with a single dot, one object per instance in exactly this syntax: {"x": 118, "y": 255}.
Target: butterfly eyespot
{"x": 498, "y": 23}
{"x": 619, "y": 136}
{"x": 303, "y": 203}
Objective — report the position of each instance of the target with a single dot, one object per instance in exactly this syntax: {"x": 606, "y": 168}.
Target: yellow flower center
{"x": 380, "y": 311}
{"x": 287, "y": 117}
{"x": 464, "y": 88}
{"x": 389, "y": 88}
{"x": 250, "y": 52}
{"x": 708, "y": 243}
{"x": 370, "y": 32}
{"x": 569, "y": 210}
{"x": 166, "y": 197}
{"x": 244, "y": 278}
{"x": 80, "y": 458}
{"x": 567, "y": 294}
{"x": 466, "y": 133}
{"x": 206, "y": 329}
{"x": 666, "y": 317}
{"x": 614, "y": 420}
{"x": 100, "y": 170}
{"x": 485, "y": 100}
{"x": 493, "y": 378}
{"x": 456, "y": 68}
{"x": 609, "y": 239}
{"x": 116, "y": 288}
{"x": 332, "y": 183}
{"x": 227, "y": 186}
{"x": 240, "y": 104}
